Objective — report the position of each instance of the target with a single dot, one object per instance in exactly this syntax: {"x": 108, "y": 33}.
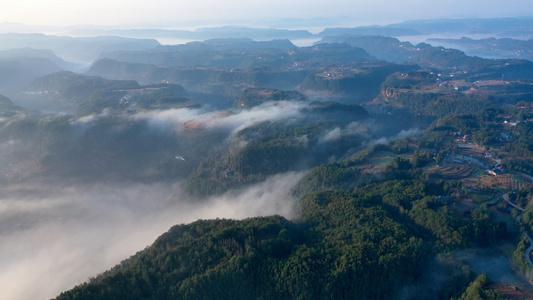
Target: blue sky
{"x": 168, "y": 13}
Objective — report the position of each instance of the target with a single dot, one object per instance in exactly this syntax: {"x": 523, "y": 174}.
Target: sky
{"x": 172, "y": 13}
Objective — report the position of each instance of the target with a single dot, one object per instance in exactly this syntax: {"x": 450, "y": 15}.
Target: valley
{"x": 242, "y": 166}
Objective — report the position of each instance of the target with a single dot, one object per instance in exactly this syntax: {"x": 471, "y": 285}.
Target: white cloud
{"x": 91, "y": 118}
{"x": 333, "y": 135}
{"x": 232, "y": 121}
{"x": 401, "y": 135}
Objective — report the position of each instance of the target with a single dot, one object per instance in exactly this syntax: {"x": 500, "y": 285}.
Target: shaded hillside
{"x": 353, "y": 83}
{"x": 42, "y": 53}
{"x": 111, "y": 99}
{"x": 219, "y": 81}
{"x": 113, "y": 148}
{"x": 69, "y": 89}
{"x": 243, "y": 53}
{"x": 17, "y": 72}
{"x": 7, "y": 106}
{"x": 319, "y": 133}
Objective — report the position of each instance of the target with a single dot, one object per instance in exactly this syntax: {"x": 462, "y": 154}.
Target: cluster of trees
{"x": 520, "y": 165}
{"x": 519, "y": 259}
{"x": 522, "y": 145}
{"x": 267, "y": 158}
{"x": 438, "y": 105}
{"x": 491, "y": 128}
{"x": 479, "y": 289}
{"x": 346, "y": 175}
{"x": 523, "y": 198}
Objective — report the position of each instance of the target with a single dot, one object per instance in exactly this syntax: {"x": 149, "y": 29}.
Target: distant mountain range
{"x": 491, "y": 47}
{"x": 515, "y": 27}
{"x": 427, "y": 56}
{"x": 82, "y": 49}
{"x": 519, "y": 27}
{"x": 202, "y": 33}
{"x": 89, "y": 44}
{"x": 243, "y": 53}
{"x": 17, "y": 72}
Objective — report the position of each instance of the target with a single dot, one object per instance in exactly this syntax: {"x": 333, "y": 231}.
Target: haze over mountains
{"x": 355, "y": 165}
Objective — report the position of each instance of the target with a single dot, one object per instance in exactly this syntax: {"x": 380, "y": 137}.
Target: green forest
{"x": 370, "y": 242}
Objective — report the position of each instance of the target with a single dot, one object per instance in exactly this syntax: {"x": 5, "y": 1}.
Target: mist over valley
{"x": 267, "y": 162}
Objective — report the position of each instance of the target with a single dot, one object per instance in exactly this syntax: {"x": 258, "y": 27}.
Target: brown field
{"x": 507, "y": 181}
{"x": 205, "y": 121}
{"x": 458, "y": 171}
{"x": 511, "y": 291}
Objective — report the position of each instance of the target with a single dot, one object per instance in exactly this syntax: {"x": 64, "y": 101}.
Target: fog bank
{"x": 54, "y": 238}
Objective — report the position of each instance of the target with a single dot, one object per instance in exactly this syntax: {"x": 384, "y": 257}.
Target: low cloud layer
{"x": 401, "y": 135}
{"x": 268, "y": 111}
{"x": 56, "y": 237}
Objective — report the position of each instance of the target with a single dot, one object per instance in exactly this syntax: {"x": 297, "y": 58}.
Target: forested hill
{"x": 371, "y": 243}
